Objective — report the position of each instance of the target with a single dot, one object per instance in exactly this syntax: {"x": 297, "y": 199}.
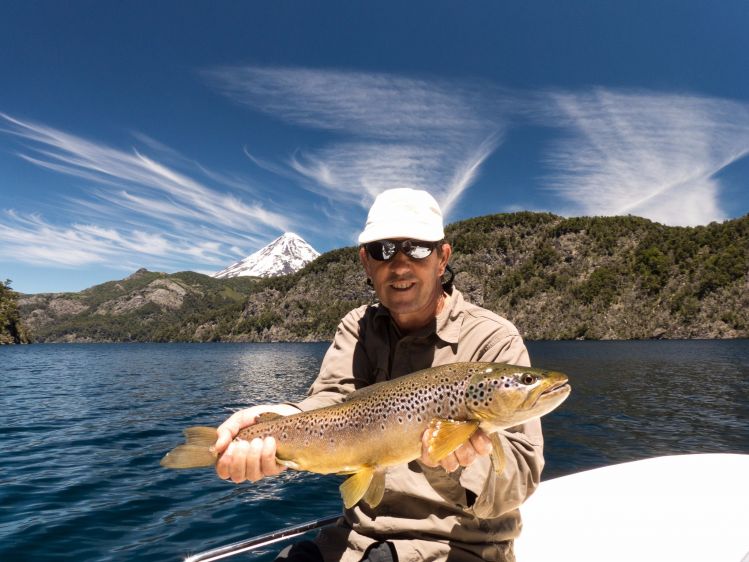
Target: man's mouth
{"x": 401, "y": 285}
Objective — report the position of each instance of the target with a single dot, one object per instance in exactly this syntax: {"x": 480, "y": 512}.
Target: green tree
{"x": 11, "y": 329}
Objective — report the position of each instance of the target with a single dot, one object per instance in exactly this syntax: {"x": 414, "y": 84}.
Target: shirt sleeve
{"x": 344, "y": 367}
{"x": 523, "y": 450}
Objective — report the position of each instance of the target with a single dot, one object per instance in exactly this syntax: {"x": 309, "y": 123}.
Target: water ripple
{"x": 83, "y": 428}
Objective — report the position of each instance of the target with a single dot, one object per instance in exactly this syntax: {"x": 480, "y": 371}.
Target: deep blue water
{"x": 82, "y": 429}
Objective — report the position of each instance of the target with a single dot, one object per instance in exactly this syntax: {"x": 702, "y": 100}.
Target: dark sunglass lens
{"x": 381, "y": 250}
{"x": 374, "y": 249}
{"x": 388, "y": 249}
{"x": 384, "y": 250}
{"x": 417, "y": 250}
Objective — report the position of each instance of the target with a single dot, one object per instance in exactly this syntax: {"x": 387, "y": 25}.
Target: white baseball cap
{"x": 403, "y": 213}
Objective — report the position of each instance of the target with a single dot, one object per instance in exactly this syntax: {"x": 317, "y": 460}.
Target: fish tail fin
{"x": 196, "y": 452}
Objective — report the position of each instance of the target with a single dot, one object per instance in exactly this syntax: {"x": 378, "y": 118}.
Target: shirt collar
{"x": 447, "y": 323}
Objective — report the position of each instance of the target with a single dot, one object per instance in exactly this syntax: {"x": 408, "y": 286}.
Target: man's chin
{"x": 400, "y": 303}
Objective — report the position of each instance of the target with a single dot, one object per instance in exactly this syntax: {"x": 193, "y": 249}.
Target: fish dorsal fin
{"x": 355, "y": 486}
{"x": 497, "y": 454}
{"x": 267, "y": 416}
{"x": 447, "y": 435}
{"x": 376, "y": 489}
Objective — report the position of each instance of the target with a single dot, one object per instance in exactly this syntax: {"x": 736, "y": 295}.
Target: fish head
{"x": 503, "y": 396}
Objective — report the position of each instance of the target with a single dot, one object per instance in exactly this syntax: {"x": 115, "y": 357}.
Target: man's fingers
{"x": 251, "y": 460}
{"x": 465, "y": 454}
{"x": 268, "y": 463}
{"x": 425, "y": 458}
{"x": 237, "y": 461}
{"x": 478, "y": 445}
{"x": 231, "y": 427}
{"x": 223, "y": 463}
{"x": 252, "y": 469}
{"x": 481, "y": 443}
{"x": 222, "y": 441}
{"x": 450, "y": 463}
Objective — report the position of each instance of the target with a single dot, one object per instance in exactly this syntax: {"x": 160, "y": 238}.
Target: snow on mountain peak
{"x": 286, "y": 254}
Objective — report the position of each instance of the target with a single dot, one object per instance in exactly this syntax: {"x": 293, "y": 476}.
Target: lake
{"x": 83, "y": 427}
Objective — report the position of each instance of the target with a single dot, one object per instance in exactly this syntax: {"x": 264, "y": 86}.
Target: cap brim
{"x": 427, "y": 233}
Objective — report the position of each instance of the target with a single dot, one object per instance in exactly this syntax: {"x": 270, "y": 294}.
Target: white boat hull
{"x": 675, "y": 508}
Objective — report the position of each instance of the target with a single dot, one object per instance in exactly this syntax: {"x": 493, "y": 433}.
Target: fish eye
{"x": 528, "y": 378}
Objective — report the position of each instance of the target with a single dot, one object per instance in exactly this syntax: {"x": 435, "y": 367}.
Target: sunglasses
{"x": 385, "y": 250}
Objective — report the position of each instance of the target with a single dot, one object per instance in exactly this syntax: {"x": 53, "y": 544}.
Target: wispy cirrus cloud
{"x": 389, "y": 131}
{"x": 147, "y": 206}
{"x": 655, "y": 155}
{"x": 642, "y": 153}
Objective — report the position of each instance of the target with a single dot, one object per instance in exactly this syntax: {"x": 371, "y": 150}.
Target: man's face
{"x": 409, "y": 288}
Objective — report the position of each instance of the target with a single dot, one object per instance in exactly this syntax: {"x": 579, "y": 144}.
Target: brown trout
{"x": 382, "y": 425}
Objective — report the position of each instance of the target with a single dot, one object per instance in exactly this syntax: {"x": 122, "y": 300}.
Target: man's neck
{"x": 412, "y": 322}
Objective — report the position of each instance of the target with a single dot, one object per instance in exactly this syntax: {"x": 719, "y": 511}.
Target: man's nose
{"x": 400, "y": 261}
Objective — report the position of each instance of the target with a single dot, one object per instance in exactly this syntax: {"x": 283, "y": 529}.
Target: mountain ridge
{"x": 554, "y": 277}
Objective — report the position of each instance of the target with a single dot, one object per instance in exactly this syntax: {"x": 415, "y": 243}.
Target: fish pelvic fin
{"x": 356, "y": 485}
{"x": 498, "y": 454}
{"x": 447, "y": 435}
{"x": 376, "y": 489}
{"x": 196, "y": 452}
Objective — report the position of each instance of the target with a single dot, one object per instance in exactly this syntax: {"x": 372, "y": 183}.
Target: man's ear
{"x": 364, "y": 259}
{"x": 445, "y": 257}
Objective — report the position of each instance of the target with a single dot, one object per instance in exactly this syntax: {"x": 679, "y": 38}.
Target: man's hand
{"x": 248, "y": 460}
{"x": 478, "y": 445}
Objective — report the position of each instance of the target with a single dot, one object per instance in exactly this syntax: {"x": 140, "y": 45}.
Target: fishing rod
{"x": 261, "y": 540}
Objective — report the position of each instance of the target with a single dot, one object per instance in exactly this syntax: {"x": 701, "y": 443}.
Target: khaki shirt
{"x": 428, "y": 514}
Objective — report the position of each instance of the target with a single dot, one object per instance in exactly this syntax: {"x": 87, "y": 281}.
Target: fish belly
{"x": 346, "y": 451}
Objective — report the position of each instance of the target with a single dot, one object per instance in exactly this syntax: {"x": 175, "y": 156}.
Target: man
{"x": 459, "y": 510}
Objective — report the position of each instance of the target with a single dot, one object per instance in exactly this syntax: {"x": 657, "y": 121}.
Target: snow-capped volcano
{"x": 286, "y": 254}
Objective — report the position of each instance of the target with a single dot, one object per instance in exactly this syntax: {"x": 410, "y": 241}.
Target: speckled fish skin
{"x": 382, "y": 425}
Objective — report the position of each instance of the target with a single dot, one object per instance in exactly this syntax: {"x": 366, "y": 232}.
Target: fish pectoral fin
{"x": 447, "y": 435}
{"x": 355, "y": 486}
{"x": 498, "y": 454}
{"x": 376, "y": 489}
{"x": 196, "y": 452}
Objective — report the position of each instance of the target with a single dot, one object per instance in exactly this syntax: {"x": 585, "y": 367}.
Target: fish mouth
{"x": 560, "y": 386}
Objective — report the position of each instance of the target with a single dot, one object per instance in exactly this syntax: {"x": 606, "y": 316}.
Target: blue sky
{"x": 187, "y": 135}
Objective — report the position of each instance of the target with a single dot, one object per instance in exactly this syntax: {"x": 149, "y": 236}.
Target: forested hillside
{"x": 555, "y": 278}
{"x": 11, "y": 329}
